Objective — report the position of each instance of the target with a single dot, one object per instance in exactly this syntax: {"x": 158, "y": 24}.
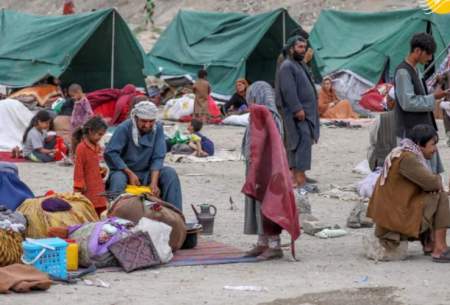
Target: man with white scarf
{"x": 135, "y": 155}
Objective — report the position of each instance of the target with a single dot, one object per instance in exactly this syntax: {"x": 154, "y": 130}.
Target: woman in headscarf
{"x": 237, "y": 103}
{"x": 268, "y": 244}
{"x": 330, "y": 107}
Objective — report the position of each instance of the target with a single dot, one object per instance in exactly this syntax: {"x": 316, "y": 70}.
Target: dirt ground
{"x": 329, "y": 272}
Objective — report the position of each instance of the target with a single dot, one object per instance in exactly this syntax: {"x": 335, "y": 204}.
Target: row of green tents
{"x": 98, "y": 50}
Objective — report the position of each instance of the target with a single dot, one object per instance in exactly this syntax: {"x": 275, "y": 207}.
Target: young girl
{"x": 87, "y": 173}
{"x": 37, "y": 146}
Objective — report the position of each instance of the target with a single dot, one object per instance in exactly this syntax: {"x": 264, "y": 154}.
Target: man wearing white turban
{"x": 135, "y": 155}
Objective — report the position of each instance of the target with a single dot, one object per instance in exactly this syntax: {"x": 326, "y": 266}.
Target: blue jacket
{"x": 121, "y": 152}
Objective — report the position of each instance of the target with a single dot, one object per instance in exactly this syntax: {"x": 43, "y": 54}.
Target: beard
{"x": 298, "y": 56}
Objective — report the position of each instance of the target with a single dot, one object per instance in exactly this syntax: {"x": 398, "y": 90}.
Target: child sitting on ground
{"x": 201, "y": 145}
{"x": 88, "y": 173}
{"x": 37, "y": 147}
{"x": 82, "y": 111}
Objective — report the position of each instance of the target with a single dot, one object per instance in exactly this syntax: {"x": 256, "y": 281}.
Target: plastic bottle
{"x": 72, "y": 255}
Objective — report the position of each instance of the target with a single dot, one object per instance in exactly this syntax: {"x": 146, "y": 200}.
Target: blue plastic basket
{"x": 48, "y": 255}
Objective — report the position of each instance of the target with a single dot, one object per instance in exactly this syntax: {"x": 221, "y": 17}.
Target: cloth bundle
{"x": 39, "y": 220}
{"x": 95, "y": 238}
{"x": 133, "y": 208}
{"x": 10, "y": 247}
{"x": 12, "y": 224}
{"x": 12, "y": 190}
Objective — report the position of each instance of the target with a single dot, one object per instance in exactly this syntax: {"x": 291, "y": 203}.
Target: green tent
{"x": 228, "y": 45}
{"x": 371, "y": 44}
{"x": 96, "y": 50}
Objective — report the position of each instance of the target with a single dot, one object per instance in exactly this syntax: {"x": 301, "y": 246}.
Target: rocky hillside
{"x": 304, "y": 11}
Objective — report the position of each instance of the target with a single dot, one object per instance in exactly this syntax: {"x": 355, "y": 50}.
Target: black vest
{"x": 405, "y": 121}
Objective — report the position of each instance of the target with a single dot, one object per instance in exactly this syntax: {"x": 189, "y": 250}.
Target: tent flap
{"x": 365, "y": 42}
{"x": 76, "y": 48}
{"x": 221, "y": 42}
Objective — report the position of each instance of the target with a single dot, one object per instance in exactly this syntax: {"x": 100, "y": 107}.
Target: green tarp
{"x": 96, "y": 50}
{"x": 369, "y": 43}
{"x": 229, "y": 45}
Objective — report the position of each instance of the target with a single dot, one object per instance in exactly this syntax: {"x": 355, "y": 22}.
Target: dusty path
{"x": 324, "y": 266}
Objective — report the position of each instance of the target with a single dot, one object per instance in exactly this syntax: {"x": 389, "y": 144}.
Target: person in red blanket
{"x": 269, "y": 203}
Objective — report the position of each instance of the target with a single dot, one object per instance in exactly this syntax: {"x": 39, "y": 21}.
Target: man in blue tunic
{"x": 135, "y": 155}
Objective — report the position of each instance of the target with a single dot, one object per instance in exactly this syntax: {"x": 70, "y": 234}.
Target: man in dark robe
{"x": 298, "y": 99}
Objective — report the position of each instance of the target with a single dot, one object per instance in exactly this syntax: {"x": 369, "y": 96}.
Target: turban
{"x": 144, "y": 110}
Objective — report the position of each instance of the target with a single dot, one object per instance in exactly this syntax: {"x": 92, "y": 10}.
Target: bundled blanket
{"x": 95, "y": 238}
{"x": 113, "y": 104}
{"x": 40, "y": 219}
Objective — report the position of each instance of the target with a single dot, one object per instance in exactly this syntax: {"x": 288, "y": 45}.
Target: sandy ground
{"x": 328, "y": 272}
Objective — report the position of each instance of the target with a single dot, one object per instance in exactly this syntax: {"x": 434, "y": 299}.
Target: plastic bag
{"x": 160, "y": 234}
{"x": 178, "y": 138}
{"x": 367, "y": 185}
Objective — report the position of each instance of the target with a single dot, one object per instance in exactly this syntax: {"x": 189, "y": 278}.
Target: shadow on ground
{"x": 366, "y": 296}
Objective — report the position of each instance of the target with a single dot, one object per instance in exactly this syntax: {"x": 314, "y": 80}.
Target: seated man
{"x": 135, "y": 155}
{"x": 408, "y": 201}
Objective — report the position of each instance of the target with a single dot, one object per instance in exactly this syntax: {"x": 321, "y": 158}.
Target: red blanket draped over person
{"x": 113, "y": 104}
{"x": 268, "y": 179}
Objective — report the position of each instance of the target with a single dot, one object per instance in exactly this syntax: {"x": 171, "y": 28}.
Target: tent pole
{"x": 113, "y": 47}
{"x": 284, "y": 27}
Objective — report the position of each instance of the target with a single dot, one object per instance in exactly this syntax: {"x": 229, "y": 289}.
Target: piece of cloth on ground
{"x": 220, "y": 155}
{"x": 12, "y": 190}
{"x": 22, "y": 278}
{"x": 268, "y": 179}
{"x": 15, "y": 119}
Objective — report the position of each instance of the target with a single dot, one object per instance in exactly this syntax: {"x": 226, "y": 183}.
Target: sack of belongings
{"x": 12, "y": 225}
{"x": 133, "y": 208}
{"x": 57, "y": 210}
{"x": 94, "y": 240}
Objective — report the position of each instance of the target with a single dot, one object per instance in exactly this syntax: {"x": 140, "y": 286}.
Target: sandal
{"x": 270, "y": 254}
{"x": 443, "y": 258}
{"x": 256, "y": 251}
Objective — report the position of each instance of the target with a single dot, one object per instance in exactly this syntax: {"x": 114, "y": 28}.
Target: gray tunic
{"x": 297, "y": 92}
{"x": 411, "y": 102}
